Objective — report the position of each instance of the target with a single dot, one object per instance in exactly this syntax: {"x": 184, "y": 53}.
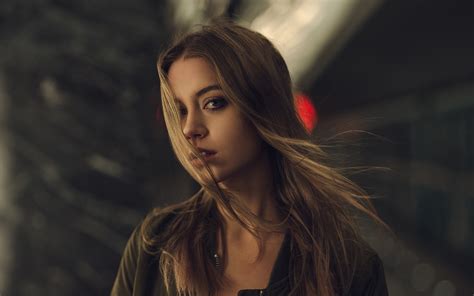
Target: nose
{"x": 193, "y": 126}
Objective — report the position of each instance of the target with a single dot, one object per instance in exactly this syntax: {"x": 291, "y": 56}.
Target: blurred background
{"x": 84, "y": 154}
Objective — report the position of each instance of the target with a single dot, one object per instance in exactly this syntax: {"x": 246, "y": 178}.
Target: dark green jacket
{"x": 139, "y": 275}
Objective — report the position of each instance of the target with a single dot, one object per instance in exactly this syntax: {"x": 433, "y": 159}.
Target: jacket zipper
{"x": 216, "y": 258}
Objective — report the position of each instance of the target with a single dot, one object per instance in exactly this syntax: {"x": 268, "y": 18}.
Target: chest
{"x": 244, "y": 272}
{"x": 243, "y": 277}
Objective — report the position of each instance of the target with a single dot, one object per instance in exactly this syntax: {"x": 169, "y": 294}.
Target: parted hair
{"x": 317, "y": 201}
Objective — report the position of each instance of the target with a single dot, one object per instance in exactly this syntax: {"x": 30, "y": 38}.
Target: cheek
{"x": 239, "y": 137}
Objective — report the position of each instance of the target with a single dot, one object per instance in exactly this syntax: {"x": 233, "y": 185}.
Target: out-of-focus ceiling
{"x": 308, "y": 33}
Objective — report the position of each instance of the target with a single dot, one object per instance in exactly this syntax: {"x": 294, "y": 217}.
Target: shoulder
{"x": 154, "y": 223}
{"x": 369, "y": 277}
{"x": 138, "y": 260}
{"x": 160, "y": 224}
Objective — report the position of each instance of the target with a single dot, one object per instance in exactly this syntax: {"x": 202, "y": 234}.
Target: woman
{"x": 270, "y": 217}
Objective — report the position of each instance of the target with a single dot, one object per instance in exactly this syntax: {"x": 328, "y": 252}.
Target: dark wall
{"x": 405, "y": 47}
{"x": 404, "y": 87}
{"x": 87, "y": 156}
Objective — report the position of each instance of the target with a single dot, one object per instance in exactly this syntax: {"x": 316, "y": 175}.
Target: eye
{"x": 215, "y": 103}
{"x": 182, "y": 111}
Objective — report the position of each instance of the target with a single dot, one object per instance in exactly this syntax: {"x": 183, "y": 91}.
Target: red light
{"x": 306, "y": 111}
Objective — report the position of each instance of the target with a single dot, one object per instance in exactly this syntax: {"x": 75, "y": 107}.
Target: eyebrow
{"x": 204, "y": 90}
{"x": 207, "y": 89}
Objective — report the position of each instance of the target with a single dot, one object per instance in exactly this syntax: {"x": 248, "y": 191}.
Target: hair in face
{"x": 250, "y": 71}
{"x": 315, "y": 199}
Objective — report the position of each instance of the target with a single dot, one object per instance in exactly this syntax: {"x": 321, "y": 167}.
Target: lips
{"x": 204, "y": 152}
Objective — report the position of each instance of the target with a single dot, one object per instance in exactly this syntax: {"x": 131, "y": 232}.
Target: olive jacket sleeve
{"x": 370, "y": 279}
{"x": 124, "y": 280}
{"x": 138, "y": 273}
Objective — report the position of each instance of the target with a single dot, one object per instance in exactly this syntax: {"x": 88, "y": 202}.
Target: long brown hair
{"x": 317, "y": 201}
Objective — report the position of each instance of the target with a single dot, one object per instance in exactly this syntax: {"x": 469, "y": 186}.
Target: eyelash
{"x": 216, "y": 99}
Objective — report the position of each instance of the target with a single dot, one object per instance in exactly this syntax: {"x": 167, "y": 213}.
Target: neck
{"x": 255, "y": 190}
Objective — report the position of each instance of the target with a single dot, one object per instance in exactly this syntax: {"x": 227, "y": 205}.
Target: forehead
{"x": 187, "y": 75}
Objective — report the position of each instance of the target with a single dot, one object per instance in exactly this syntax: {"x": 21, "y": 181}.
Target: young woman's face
{"x": 209, "y": 121}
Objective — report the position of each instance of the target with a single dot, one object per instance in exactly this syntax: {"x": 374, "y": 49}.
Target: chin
{"x": 224, "y": 177}
{"x": 220, "y": 176}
